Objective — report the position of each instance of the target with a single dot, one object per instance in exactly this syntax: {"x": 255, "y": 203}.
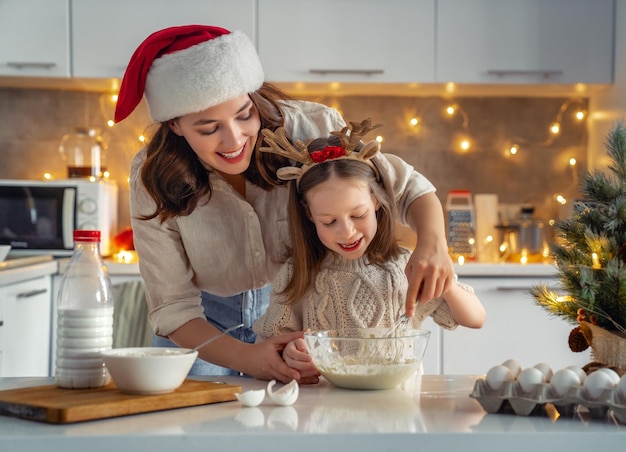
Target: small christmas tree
{"x": 590, "y": 251}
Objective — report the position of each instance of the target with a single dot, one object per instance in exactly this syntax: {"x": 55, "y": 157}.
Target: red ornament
{"x": 328, "y": 153}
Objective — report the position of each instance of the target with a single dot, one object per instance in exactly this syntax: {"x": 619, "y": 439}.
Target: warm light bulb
{"x": 114, "y": 97}
{"x": 465, "y": 144}
{"x": 414, "y": 121}
{"x": 489, "y": 239}
{"x": 513, "y": 149}
{"x": 471, "y": 241}
{"x": 560, "y": 199}
{"x": 379, "y": 138}
{"x": 580, "y": 115}
{"x": 461, "y": 260}
{"x": 572, "y": 161}
{"x": 595, "y": 261}
{"x": 47, "y": 176}
{"x": 555, "y": 128}
{"x": 450, "y": 110}
{"x": 110, "y": 123}
{"x": 450, "y": 87}
{"x": 141, "y": 138}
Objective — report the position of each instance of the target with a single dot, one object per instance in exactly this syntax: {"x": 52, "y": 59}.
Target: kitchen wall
{"x": 34, "y": 121}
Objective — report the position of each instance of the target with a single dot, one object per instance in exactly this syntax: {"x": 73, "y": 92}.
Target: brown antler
{"x": 357, "y": 131}
{"x": 280, "y": 144}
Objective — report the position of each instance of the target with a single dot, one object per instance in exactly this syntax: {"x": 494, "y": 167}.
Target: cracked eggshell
{"x": 287, "y": 395}
{"x": 251, "y": 398}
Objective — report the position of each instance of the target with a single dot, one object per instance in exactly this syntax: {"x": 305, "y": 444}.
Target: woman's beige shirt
{"x": 230, "y": 244}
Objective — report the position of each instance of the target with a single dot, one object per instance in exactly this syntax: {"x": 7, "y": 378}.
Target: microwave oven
{"x": 39, "y": 217}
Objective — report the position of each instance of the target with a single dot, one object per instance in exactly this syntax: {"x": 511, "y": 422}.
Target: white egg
{"x": 614, "y": 376}
{"x": 287, "y": 395}
{"x": 596, "y": 383}
{"x": 514, "y": 365}
{"x": 251, "y": 398}
{"x": 621, "y": 386}
{"x": 545, "y": 369}
{"x": 563, "y": 380}
{"x": 582, "y": 375}
{"x": 529, "y": 378}
{"x": 497, "y": 375}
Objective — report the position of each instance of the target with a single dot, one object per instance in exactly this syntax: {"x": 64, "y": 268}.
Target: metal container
{"x": 526, "y": 239}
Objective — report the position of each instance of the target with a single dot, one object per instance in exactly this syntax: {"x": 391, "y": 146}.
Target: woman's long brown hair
{"x": 176, "y": 179}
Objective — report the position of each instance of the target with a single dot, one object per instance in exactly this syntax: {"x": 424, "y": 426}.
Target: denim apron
{"x": 223, "y": 312}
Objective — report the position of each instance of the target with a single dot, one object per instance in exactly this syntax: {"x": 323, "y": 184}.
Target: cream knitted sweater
{"x": 348, "y": 294}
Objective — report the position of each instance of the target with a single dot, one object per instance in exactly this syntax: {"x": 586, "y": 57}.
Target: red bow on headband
{"x": 328, "y": 153}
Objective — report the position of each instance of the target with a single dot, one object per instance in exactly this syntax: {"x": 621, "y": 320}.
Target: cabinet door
{"x": 26, "y": 328}
{"x": 34, "y": 38}
{"x": 105, "y": 34}
{"x": 515, "y": 328}
{"x": 347, "y": 40}
{"x": 528, "y": 41}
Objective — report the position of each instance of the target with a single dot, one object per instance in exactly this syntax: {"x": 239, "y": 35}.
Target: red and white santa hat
{"x": 187, "y": 69}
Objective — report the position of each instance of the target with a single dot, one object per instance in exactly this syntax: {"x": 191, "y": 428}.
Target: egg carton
{"x": 510, "y": 397}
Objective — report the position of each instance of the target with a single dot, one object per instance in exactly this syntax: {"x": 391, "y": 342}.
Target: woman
{"x": 208, "y": 213}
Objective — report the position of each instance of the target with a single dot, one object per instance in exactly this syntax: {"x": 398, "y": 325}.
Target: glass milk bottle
{"x": 85, "y": 316}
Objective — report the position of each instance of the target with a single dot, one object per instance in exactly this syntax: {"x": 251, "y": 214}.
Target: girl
{"x": 346, "y": 269}
{"x": 208, "y": 213}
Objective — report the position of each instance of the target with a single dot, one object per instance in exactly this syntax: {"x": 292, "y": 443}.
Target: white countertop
{"x": 26, "y": 272}
{"x": 505, "y": 270}
{"x": 435, "y": 413}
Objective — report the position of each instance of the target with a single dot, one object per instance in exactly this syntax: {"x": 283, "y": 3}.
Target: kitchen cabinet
{"x": 515, "y": 328}
{"x": 25, "y": 327}
{"x": 105, "y": 34}
{"x": 34, "y": 37}
{"x": 527, "y": 41}
{"x": 347, "y": 41}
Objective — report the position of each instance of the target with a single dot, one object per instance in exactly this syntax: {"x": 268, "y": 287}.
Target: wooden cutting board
{"x": 61, "y": 406}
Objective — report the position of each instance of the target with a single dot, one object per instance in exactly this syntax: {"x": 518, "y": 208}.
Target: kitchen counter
{"x": 22, "y": 269}
{"x": 434, "y": 413}
{"x": 505, "y": 270}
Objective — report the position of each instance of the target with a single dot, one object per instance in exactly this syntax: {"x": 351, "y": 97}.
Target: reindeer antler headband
{"x": 350, "y": 137}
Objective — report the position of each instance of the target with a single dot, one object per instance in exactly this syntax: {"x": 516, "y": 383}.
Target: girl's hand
{"x": 430, "y": 274}
{"x": 263, "y": 360}
{"x": 296, "y": 357}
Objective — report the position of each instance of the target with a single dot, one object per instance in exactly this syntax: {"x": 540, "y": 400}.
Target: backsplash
{"x": 34, "y": 121}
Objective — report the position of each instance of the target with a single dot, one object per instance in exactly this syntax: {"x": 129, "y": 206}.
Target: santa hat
{"x": 188, "y": 69}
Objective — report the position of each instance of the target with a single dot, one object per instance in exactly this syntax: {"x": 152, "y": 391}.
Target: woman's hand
{"x": 264, "y": 360}
{"x": 296, "y": 357}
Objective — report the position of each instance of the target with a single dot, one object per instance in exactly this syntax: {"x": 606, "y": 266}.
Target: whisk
{"x": 401, "y": 322}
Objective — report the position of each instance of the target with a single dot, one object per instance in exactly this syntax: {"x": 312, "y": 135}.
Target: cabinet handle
{"x": 32, "y": 293}
{"x": 31, "y": 64}
{"x": 524, "y": 288}
{"x": 347, "y": 71}
{"x": 504, "y": 73}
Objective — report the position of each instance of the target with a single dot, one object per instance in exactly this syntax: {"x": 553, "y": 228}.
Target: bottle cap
{"x": 86, "y": 236}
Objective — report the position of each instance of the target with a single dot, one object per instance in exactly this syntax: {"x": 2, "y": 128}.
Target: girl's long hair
{"x": 174, "y": 175}
{"x": 307, "y": 251}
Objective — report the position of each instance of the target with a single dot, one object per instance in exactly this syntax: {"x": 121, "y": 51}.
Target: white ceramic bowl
{"x": 149, "y": 370}
{"x": 365, "y": 358}
{"x": 4, "y": 251}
